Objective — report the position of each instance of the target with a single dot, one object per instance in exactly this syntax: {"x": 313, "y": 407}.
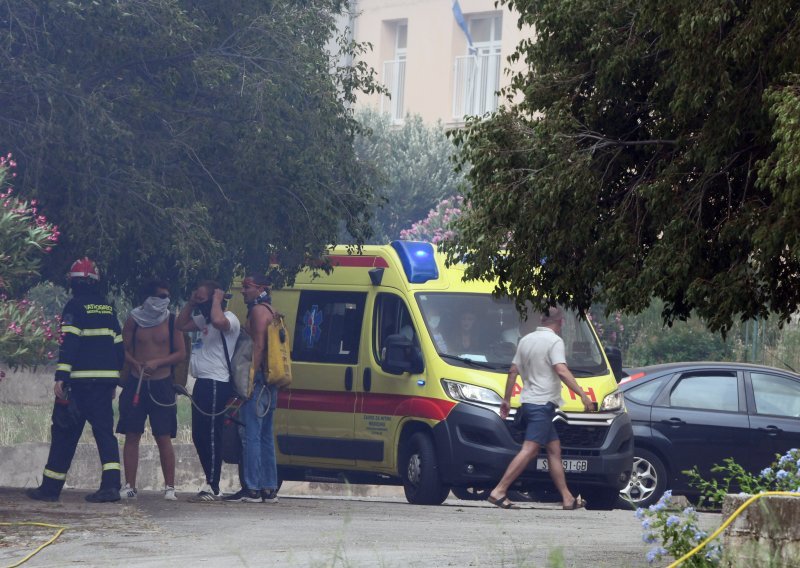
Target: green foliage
{"x": 25, "y": 235}
{"x": 178, "y": 138}
{"x": 783, "y": 474}
{"x": 732, "y": 476}
{"x": 684, "y": 341}
{"x": 652, "y": 153}
{"x": 28, "y": 336}
{"x": 678, "y": 532}
{"x": 412, "y": 169}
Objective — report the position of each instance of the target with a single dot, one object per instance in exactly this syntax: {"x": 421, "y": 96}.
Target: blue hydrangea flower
{"x": 766, "y": 471}
{"x": 667, "y": 495}
{"x": 673, "y": 520}
{"x": 648, "y": 538}
{"x": 782, "y": 474}
{"x": 639, "y": 513}
{"x": 655, "y": 554}
{"x": 699, "y": 535}
{"x": 660, "y": 506}
{"x": 646, "y": 524}
{"x": 785, "y": 459}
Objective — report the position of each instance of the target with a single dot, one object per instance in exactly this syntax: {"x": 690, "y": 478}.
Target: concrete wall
{"x": 766, "y": 534}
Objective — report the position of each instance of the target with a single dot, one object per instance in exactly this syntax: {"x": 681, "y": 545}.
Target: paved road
{"x": 318, "y": 532}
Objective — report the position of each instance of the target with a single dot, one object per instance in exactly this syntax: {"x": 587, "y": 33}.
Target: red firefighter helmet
{"x": 84, "y": 268}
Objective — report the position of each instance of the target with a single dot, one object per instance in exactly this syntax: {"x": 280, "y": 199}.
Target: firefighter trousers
{"x": 90, "y": 403}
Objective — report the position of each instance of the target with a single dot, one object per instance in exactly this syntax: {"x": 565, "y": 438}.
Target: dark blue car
{"x": 698, "y": 414}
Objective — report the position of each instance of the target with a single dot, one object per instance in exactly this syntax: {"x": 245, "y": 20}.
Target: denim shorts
{"x": 539, "y": 426}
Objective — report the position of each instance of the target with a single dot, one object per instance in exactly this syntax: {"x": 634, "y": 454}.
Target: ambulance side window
{"x": 328, "y": 327}
{"x": 391, "y": 317}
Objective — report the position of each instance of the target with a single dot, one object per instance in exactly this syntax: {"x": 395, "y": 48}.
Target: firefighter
{"x": 89, "y": 362}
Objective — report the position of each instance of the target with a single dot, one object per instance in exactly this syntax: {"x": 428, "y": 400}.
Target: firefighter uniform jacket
{"x": 91, "y": 351}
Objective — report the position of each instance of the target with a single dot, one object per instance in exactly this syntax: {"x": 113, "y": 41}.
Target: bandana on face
{"x": 152, "y": 312}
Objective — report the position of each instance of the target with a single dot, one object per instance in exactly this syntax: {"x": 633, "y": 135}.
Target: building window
{"x": 394, "y": 74}
{"x": 477, "y": 74}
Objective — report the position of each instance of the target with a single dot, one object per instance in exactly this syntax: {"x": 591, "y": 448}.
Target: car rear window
{"x": 717, "y": 391}
{"x": 776, "y": 395}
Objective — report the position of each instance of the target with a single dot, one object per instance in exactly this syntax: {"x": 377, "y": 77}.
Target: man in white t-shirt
{"x": 541, "y": 362}
{"x": 205, "y": 313}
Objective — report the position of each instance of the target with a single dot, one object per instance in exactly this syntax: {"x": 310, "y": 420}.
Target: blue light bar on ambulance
{"x": 417, "y": 259}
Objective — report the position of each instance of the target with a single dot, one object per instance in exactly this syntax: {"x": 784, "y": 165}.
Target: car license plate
{"x": 569, "y": 465}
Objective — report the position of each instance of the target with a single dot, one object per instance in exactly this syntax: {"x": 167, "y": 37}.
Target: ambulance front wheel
{"x": 420, "y": 472}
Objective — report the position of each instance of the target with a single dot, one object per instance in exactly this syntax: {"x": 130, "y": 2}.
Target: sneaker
{"x": 169, "y": 493}
{"x": 207, "y": 493}
{"x": 39, "y": 495}
{"x": 269, "y": 495}
{"x": 245, "y": 496}
{"x": 128, "y": 492}
{"x": 103, "y": 496}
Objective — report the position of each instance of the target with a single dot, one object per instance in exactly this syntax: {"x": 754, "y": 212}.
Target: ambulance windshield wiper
{"x": 478, "y": 364}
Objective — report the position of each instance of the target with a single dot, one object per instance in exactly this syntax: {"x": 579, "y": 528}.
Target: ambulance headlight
{"x": 472, "y": 394}
{"x": 613, "y": 402}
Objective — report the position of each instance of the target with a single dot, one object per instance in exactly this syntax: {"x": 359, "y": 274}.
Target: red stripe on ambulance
{"x": 370, "y": 403}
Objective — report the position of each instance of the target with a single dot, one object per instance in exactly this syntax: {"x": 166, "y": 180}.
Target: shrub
{"x": 28, "y": 337}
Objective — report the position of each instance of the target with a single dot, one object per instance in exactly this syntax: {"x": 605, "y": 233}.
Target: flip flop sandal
{"x": 578, "y": 503}
{"x": 503, "y": 502}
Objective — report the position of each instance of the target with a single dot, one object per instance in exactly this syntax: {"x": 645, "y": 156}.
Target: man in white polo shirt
{"x": 540, "y": 361}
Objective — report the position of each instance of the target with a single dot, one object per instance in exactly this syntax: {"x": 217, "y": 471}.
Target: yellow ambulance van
{"x": 399, "y": 369}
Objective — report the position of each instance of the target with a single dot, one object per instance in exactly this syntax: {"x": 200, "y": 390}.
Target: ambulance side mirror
{"x": 614, "y": 355}
{"x": 400, "y": 355}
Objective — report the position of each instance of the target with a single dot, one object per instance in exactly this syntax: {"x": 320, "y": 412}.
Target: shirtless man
{"x": 147, "y": 392}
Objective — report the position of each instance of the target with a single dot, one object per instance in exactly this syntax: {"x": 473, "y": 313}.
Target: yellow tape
{"x": 60, "y": 530}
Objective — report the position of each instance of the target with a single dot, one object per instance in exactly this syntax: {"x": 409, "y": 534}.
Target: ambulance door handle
{"x": 367, "y": 379}
{"x": 348, "y": 379}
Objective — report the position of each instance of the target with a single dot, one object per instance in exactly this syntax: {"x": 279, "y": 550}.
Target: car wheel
{"x": 420, "y": 472}
{"x": 648, "y": 480}
{"x": 471, "y": 493}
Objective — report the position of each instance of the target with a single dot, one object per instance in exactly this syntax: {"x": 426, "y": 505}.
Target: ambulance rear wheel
{"x": 420, "y": 472}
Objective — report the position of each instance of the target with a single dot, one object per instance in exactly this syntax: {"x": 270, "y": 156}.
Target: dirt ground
{"x": 317, "y": 531}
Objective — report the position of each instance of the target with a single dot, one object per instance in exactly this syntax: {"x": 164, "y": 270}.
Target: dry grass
{"x": 20, "y": 424}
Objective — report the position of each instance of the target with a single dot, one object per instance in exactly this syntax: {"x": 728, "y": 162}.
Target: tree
{"x": 437, "y": 226}
{"x": 412, "y": 168}
{"x": 178, "y": 138}
{"x": 28, "y": 336}
{"x": 653, "y": 152}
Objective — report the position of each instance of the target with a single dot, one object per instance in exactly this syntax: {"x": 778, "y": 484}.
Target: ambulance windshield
{"x": 480, "y": 330}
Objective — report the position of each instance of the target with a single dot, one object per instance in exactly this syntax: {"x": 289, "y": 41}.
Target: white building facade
{"x": 425, "y": 58}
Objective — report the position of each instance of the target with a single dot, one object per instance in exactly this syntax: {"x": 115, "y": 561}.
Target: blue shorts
{"x": 539, "y": 426}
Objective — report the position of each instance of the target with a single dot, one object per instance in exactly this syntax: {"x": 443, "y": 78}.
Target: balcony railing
{"x": 394, "y": 77}
{"x": 477, "y": 80}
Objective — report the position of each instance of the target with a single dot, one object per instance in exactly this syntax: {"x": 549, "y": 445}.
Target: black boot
{"x": 39, "y": 495}
{"x": 103, "y": 496}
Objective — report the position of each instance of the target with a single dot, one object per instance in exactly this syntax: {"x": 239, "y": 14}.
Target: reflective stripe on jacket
{"x": 91, "y": 350}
